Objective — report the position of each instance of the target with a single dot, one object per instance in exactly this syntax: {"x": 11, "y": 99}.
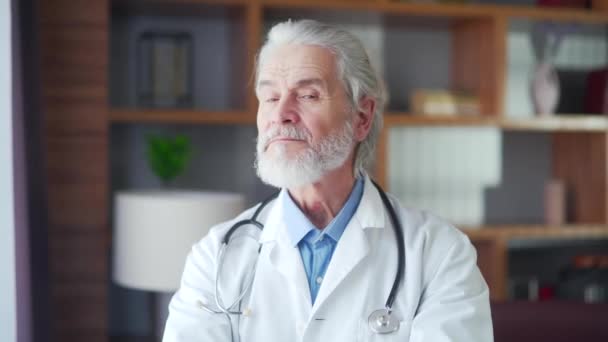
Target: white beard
{"x": 278, "y": 169}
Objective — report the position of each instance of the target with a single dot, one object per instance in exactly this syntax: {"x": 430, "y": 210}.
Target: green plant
{"x": 167, "y": 156}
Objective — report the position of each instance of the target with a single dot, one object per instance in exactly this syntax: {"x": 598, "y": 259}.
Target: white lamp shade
{"x": 155, "y": 230}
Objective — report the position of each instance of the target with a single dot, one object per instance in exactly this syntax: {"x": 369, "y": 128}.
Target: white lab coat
{"x": 443, "y": 296}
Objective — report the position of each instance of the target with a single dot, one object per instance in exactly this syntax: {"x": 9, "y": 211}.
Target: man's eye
{"x": 309, "y": 97}
{"x": 272, "y": 99}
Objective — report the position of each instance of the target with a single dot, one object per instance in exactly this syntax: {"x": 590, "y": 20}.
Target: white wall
{"x": 445, "y": 170}
{"x": 8, "y": 307}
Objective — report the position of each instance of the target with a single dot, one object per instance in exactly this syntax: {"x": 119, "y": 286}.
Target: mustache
{"x": 291, "y": 132}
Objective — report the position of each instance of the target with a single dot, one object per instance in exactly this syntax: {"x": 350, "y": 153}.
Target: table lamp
{"x": 155, "y": 230}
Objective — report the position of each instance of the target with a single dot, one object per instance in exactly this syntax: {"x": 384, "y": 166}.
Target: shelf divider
{"x": 180, "y": 116}
{"x": 569, "y": 231}
{"x": 581, "y": 162}
{"x": 556, "y": 123}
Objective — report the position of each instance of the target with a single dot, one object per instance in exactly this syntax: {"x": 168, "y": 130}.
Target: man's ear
{"x": 364, "y": 118}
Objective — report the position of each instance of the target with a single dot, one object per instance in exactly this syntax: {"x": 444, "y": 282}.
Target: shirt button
{"x": 319, "y": 280}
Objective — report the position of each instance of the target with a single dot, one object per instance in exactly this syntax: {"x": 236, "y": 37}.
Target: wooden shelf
{"x": 575, "y": 123}
{"x": 178, "y": 8}
{"x": 575, "y": 231}
{"x": 591, "y": 123}
{"x": 179, "y": 116}
{"x": 448, "y": 10}
{"x": 397, "y": 8}
{"x": 387, "y": 7}
{"x": 559, "y": 123}
{"x": 143, "y": 4}
{"x": 492, "y": 245}
{"x": 583, "y": 16}
{"x": 181, "y": 2}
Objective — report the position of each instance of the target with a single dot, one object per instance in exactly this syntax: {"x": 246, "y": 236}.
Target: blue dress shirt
{"x": 317, "y": 245}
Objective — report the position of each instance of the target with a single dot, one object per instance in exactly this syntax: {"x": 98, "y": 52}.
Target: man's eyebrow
{"x": 300, "y": 83}
{"x": 265, "y": 83}
{"x": 310, "y": 81}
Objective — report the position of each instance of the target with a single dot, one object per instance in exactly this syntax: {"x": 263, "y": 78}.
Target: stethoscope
{"x": 380, "y": 321}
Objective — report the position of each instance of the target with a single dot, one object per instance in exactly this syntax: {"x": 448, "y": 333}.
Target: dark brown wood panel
{"x": 79, "y": 311}
{"x": 253, "y": 28}
{"x": 555, "y": 321}
{"x": 67, "y": 74}
{"x": 90, "y": 54}
{"x": 80, "y": 289}
{"x": 492, "y": 262}
{"x": 75, "y": 258}
{"x": 81, "y": 12}
{"x": 478, "y": 60}
{"x": 581, "y": 161}
{"x": 90, "y": 92}
{"x": 77, "y": 205}
{"x": 76, "y": 117}
{"x": 88, "y": 336}
{"x": 74, "y": 72}
{"x": 381, "y": 166}
{"x": 77, "y": 43}
{"x": 78, "y": 159}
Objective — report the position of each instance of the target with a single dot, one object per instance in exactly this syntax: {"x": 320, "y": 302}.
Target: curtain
{"x": 31, "y": 250}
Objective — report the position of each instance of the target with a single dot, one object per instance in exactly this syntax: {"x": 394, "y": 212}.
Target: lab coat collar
{"x": 352, "y": 247}
{"x": 274, "y": 223}
{"x": 369, "y": 214}
{"x": 284, "y": 257}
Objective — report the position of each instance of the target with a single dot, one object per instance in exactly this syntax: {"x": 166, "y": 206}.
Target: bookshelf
{"x": 477, "y": 61}
{"x": 80, "y": 113}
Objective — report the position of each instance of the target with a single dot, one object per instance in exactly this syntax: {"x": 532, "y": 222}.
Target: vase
{"x": 545, "y": 89}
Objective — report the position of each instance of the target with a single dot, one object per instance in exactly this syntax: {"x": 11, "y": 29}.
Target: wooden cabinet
{"x": 77, "y": 55}
{"x": 475, "y": 60}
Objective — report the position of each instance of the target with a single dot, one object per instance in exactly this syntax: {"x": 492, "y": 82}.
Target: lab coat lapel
{"x": 283, "y": 256}
{"x": 351, "y": 249}
{"x": 353, "y": 246}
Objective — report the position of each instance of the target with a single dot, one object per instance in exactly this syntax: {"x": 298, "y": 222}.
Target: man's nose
{"x": 286, "y": 111}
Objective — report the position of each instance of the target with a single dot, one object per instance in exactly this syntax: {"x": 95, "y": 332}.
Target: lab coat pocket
{"x": 401, "y": 335}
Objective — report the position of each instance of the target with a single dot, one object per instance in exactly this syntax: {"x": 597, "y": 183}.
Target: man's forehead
{"x": 293, "y": 75}
{"x": 296, "y": 62}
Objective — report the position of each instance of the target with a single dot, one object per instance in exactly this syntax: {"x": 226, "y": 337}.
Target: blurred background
{"x": 132, "y": 118}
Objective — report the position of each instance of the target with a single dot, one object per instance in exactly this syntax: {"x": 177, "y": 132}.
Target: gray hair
{"x": 354, "y": 69}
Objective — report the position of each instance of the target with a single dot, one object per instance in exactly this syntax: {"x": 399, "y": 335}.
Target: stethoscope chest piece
{"x": 382, "y": 322}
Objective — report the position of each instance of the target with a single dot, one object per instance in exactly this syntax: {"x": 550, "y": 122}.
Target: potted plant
{"x": 168, "y": 156}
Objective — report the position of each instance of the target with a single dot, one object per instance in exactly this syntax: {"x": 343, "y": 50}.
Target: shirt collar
{"x": 299, "y": 226}
{"x": 370, "y": 213}
{"x": 297, "y": 223}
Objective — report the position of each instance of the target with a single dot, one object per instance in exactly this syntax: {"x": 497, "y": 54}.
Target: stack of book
{"x": 444, "y": 102}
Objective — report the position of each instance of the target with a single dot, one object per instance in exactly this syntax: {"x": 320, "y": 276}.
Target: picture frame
{"x": 165, "y": 63}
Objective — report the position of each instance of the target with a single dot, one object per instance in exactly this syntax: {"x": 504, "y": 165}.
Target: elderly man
{"x": 338, "y": 260}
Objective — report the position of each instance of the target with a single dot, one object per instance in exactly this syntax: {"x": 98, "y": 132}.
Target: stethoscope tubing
{"x": 397, "y": 228}
{"x": 253, "y": 220}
